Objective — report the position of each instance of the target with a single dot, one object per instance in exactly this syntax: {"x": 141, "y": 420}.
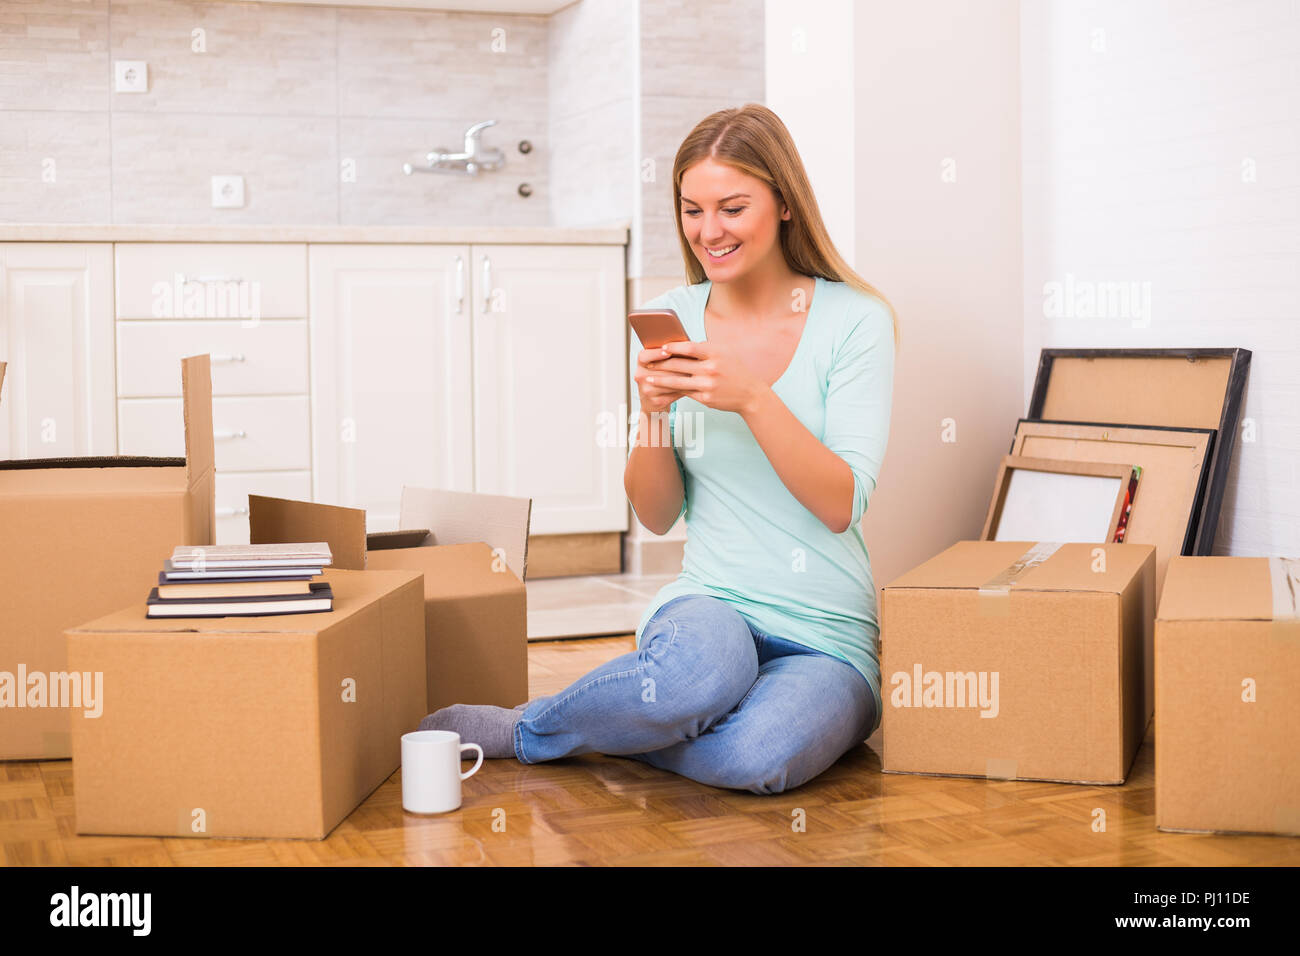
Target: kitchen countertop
{"x": 609, "y": 234}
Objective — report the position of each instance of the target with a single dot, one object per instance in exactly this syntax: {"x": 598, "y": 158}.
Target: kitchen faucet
{"x": 470, "y": 162}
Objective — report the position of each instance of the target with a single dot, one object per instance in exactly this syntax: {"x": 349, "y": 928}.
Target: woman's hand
{"x": 708, "y": 374}
{"x": 654, "y": 397}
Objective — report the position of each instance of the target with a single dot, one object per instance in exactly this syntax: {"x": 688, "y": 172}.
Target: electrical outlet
{"x": 130, "y": 76}
{"x": 227, "y": 192}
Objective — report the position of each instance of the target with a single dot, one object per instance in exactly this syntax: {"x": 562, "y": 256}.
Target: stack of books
{"x": 242, "y": 580}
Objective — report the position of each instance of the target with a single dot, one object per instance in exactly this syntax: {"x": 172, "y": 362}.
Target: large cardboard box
{"x": 1227, "y": 707}
{"x": 473, "y": 552}
{"x": 1019, "y": 660}
{"x": 275, "y": 726}
{"x": 83, "y": 537}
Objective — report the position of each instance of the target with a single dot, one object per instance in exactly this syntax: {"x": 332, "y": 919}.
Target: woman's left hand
{"x": 710, "y": 375}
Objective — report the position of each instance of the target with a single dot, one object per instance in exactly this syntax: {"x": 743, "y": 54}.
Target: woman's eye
{"x": 729, "y": 209}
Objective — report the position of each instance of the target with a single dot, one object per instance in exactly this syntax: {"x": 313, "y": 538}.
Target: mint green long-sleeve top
{"x": 749, "y": 541}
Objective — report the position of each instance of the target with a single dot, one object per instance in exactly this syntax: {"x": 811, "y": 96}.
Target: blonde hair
{"x": 753, "y": 140}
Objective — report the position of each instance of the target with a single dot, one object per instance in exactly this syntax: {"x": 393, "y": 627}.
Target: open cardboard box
{"x": 473, "y": 551}
{"x": 84, "y": 537}
{"x": 1227, "y": 713}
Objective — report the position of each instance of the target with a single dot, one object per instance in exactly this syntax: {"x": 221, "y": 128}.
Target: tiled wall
{"x": 592, "y": 55}
{"x": 292, "y": 97}
{"x": 1160, "y": 145}
{"x": 318, "y": 107}
{"x": 695, "y": 58}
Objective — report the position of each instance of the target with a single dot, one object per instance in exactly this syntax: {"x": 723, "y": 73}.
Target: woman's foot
{"x": 492, "y": 728}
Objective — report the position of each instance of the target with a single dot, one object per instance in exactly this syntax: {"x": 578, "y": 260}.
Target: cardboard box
{"x": 1227, "y": 711}
{"x": 473, "y": 552}
{"x": 83, "y": 537}
{"x": 1019, "y": 660}
{"x": 275, "y": 726}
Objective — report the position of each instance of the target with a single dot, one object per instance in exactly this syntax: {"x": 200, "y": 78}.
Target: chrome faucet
{"x": 472, "y": 161}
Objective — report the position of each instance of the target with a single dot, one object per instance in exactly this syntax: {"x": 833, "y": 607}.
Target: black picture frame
{"x": 1215, "y": 481}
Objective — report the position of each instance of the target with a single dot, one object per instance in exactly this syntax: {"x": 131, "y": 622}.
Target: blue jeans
{"x": 710, "y": 697}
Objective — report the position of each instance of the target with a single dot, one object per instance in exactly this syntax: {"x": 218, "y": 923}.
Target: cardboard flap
{"x": 283, "y": 521}
{"x": 1072, "y": 566}
{"x": 200, "y": 455}
{"x": 452, "y": 571}
{"x": 1217, "y": 588}
{"x": 457, "y": 517}
{"x": 196, "y": 387}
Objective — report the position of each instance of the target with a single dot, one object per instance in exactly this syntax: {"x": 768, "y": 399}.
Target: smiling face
{"x": 725, "y": 209}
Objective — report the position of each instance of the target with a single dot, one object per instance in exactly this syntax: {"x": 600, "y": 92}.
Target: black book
{"x": 321, "y": 598}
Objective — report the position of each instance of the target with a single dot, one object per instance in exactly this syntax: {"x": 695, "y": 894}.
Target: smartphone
{"x": 654, "y": 327}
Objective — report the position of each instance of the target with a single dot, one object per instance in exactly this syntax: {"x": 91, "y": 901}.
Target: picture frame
{"x": 1175, "y": 466}
{"x": 1059, "y": 499}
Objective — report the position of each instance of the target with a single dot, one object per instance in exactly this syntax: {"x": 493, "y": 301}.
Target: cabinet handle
{"x": 487, "y": 284}
{"x": 187, "y": 279}
{"x": 225, "y": 433}
{"x": 460, "y": 285}
{"x": 237, "y": 357}
{"x": 231, "y": 512}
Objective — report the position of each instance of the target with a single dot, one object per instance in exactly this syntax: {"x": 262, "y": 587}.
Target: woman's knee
{"x": 777, "y": 754}
{"x": 700, "y": 656}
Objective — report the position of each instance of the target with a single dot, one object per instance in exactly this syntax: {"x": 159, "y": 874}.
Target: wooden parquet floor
{"x": 599, "y": 810}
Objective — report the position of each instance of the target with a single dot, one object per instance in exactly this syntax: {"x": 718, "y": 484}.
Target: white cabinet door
{"x": 550, "y": 374}
{"x": 56, "y": 334}
{"x": 390, "y": 374}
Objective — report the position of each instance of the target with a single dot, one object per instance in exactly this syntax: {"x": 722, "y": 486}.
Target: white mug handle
{"x": 474, "y": 769}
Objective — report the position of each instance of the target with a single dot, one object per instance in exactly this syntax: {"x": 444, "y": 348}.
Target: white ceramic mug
{"x": 431, "y": 770}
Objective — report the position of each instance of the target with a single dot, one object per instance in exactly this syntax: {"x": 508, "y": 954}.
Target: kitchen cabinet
{"x": 550, "y": 373}
{"x": 488, "y": 368}
{"x": 56, "y": 335}
{"x": 390, "y": 371}
{"x": 245, "y": 304}
{"x": 341, "y": 371}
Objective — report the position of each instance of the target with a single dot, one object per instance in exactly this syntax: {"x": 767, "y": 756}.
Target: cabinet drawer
{"x": 269, "y": 358}
{"x": 211, "y": 280}
{"x": 251, "y": 434}
{"x": 233, "y": 489}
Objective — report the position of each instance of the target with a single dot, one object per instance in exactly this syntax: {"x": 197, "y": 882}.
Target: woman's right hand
{"x": 653, "y": 397}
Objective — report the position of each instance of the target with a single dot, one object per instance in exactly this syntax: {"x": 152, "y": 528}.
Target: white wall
{"x": 810, "y": 66}
{"x": 1162, "y": 146}
{"x": 937, "y": 213}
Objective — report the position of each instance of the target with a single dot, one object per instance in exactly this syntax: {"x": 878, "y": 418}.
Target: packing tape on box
{"x": 1000, "y": 768}
{"x": 994, "y": 593}
{"x": 1284, "y": 574}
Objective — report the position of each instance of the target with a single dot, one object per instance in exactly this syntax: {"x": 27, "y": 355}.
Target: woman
{"x": 757, "y": 668}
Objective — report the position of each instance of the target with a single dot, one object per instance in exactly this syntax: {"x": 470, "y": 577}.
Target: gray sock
{"x": 492, "y": 728}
